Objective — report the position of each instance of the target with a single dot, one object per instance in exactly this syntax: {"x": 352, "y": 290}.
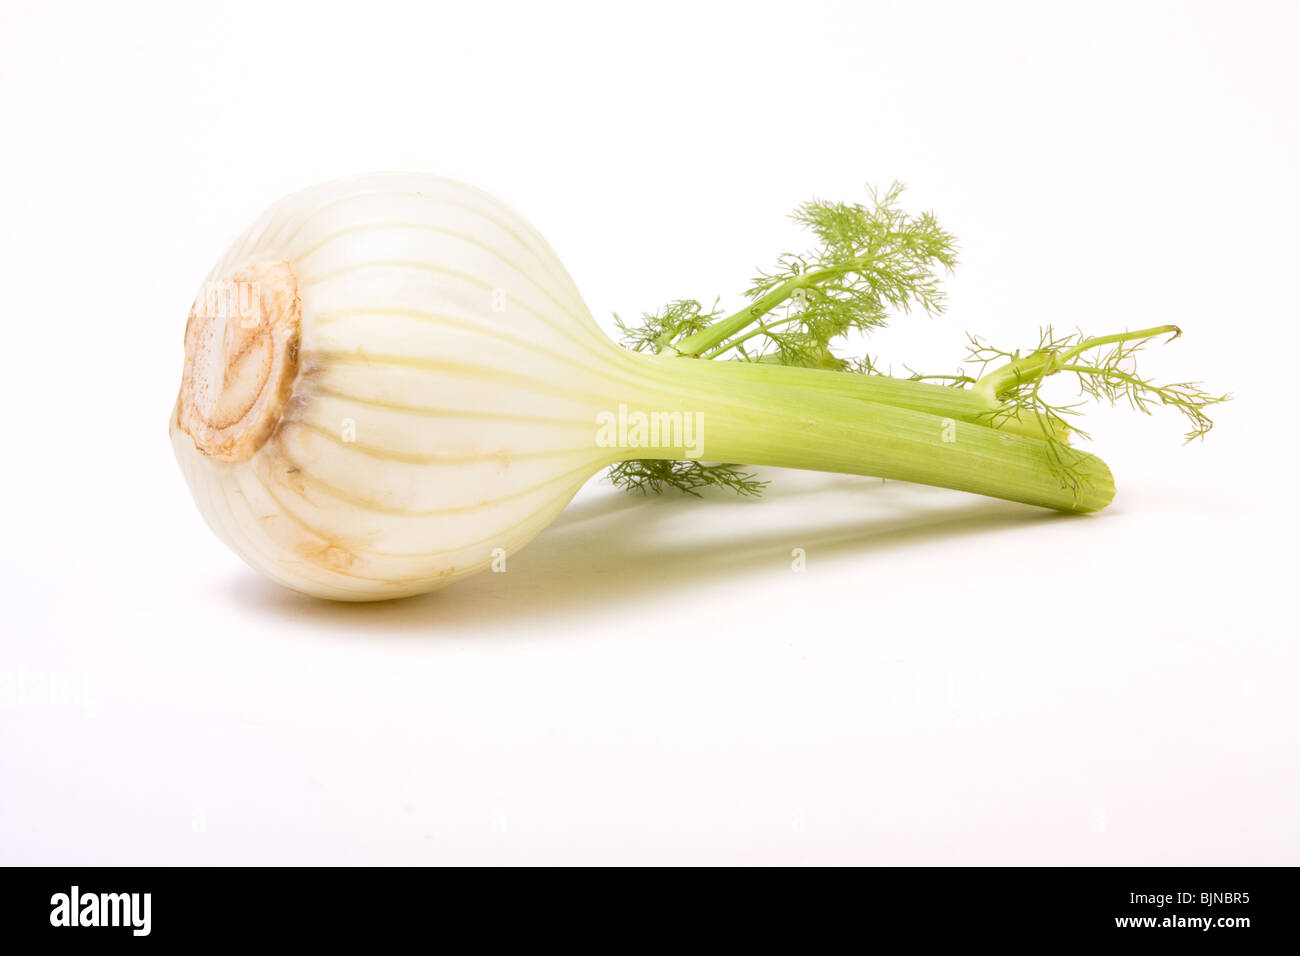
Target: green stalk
{"x": 1039, "y": 365}
{"x": 717, "y": 333}
{"x": 778, "y": 421}
{"x": 710, "y": 338}
{"x": 962, "y": 404}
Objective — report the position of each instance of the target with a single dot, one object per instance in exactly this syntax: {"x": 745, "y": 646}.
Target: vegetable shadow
{"x": 611, "y": 548}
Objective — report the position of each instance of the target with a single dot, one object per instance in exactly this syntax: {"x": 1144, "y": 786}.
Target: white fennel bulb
{"x": 390, "y": 379}
{"x": 391, "y": 383}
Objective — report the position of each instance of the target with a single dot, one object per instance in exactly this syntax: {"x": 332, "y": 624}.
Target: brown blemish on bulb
{"x": 241, "y": 356}
{"x": 329, "y": 556}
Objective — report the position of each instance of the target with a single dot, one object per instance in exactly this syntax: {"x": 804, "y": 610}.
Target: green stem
{"x": 945, "y": 401}
{"x": 1172, "y": 331}
{"x": 1003, "y": 379}
{"x": 762, "y": 329}
{"x": 777, "y": 420}
{"x": 960, "y": 379}
{"x": 715, "y": 334}
{"x": 709, "y": 338}
{"x": 1040, "y": 364}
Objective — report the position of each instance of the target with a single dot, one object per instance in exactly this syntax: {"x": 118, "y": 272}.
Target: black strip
{"x": 807, "y": 911}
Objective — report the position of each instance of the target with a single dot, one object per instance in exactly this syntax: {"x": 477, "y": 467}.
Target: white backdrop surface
{"x": 950, "y": 680}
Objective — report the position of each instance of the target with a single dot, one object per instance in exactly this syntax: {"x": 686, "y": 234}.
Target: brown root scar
{"x": 241, "y": 356}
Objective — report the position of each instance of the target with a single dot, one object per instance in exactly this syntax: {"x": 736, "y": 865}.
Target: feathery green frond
{"x": 1104, "y": 367}
{"x": 657, "y": 330}
{"x": 652, "y": 476}
{"x": 869, "y": 261}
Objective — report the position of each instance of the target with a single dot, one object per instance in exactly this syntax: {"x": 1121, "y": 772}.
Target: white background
{"x": 951, "y": 680}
